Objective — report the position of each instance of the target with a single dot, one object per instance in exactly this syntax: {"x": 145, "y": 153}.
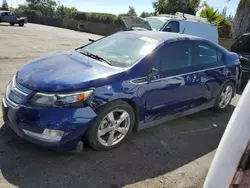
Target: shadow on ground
{"x": 8, "y": 25}
{"x": 147, "y": 154}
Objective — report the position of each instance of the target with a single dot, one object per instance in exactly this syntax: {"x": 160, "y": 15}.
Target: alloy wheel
{"x": 226, "y": 96}
{"x": 114, "y": 127}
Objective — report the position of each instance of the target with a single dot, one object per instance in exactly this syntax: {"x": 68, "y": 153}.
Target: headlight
{"x": 58, "y": 100}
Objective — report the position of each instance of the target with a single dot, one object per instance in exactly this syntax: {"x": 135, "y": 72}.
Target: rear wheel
{"x": 12, "y": 24}
{"x": 225, "y": 96}
{"x": 114, "y": 124}
{"x": 21, "y": 23}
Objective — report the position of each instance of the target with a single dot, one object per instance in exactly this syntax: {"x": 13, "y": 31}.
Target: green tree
{"x": 65, "y": 12}
{"x": 210, "y": 13}
{"x": 145, "y": 14}
{"x": 5, "y": 5}
{"x": 46, "y": 7}
{"x": 131, "y": 11}
{"x": 213, "y": 15}
{"x": 173, "y": 6}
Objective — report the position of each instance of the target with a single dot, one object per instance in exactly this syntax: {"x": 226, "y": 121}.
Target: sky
{"x": 121, "y": 6}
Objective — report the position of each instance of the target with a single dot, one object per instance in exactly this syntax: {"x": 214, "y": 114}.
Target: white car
{"x": 185, "y": 24}
{"x": 231, "y": 165}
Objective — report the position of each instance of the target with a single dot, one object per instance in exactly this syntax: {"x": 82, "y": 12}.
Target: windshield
{"x": 156, "y": 23}
{"x": 122, "y": 49}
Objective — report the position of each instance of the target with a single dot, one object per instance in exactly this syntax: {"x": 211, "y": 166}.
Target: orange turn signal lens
{"x": 81, "y": 97}
{"x": 84, "y": 95}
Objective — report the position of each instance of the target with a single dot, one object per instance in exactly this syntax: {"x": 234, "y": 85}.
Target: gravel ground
{"x": 177, "y": 154}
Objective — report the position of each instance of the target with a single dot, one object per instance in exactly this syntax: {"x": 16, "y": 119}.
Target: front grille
{"x": 16, "y": 93}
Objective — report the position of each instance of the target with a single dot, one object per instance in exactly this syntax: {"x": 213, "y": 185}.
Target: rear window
{"x": 209, "y": 55}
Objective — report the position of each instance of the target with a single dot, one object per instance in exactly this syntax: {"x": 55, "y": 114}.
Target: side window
{"x": 175, "y": 58}
{"x": 209, "y": 56}
{"x": 172, "y": 26}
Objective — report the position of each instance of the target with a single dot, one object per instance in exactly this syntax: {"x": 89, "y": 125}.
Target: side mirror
{"x": 91, "y": 40}
{"x": 154, "y": 74}
{"x": 167, "y": 29}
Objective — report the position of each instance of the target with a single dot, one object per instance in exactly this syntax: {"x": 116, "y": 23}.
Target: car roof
{"x": 165, "y": 36}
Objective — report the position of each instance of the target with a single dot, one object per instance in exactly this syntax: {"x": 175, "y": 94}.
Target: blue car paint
{"x": 66, "y": 71}
{"x": 36, "y": 119}
{"x": 72, "y": 71}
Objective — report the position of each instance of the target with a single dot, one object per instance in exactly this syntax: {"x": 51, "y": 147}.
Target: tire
{"x": 12, "y": 24}
{"x": 219, "y": 107}
{"x": 98, "y": 136}
{"x": 21, "y": 23}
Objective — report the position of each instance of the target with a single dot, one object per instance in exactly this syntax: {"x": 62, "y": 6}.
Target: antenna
{"x": 191, "y": 17}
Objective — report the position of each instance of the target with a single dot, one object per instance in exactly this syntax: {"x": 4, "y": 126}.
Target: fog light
{"x": 48, "y": 135}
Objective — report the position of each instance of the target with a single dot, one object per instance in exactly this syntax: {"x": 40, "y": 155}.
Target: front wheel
{"x": 114, "y": 124}
{"x": 225, "y": 96}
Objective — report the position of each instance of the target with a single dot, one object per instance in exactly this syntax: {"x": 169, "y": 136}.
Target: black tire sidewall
{"x": 217, "y": 106}
{"x": 91, "y": 134}
{"x": 21, "y": 23}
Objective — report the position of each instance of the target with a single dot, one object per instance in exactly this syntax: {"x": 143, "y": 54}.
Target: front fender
{"x": 125, "y": 90}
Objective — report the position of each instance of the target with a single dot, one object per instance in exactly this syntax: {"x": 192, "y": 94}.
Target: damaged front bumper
{"x": 57, "y": 128}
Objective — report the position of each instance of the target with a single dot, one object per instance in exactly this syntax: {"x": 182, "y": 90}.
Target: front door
{"x": 173, "y": 87}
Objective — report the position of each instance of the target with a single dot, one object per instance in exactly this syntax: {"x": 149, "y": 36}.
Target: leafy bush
{"x": 95, "y": 17}
{"x": 29, "y": 12}
{"x": 79, "y": 16}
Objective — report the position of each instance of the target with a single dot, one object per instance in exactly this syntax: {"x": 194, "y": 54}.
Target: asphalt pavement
{"x": 176, "y": 154}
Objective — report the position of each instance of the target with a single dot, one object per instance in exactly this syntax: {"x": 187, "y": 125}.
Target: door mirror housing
{"x": 168, "y": 29}
{"x": 153, "y": 74}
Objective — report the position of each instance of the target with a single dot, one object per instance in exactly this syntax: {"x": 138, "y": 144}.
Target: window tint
{"x": 175, "y": 58}
{"x": 172, "y": 26}
{"x": 209, "y": 56}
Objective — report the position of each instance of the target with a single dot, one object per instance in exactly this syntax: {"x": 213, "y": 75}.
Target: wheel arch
{"x": 135, "y": 109}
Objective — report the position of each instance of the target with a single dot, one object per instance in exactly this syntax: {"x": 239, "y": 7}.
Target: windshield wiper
{"x": 94, "y": 56}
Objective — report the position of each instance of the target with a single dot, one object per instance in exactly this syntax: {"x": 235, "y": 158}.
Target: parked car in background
{"x": 10, "y": 17}
{"x": 102, "y": 91}
{"x": 242, "y": 47}
{"x": 178, "y": 23}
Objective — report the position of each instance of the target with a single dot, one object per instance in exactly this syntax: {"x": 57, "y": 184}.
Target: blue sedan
{"x": 130, "y": 80}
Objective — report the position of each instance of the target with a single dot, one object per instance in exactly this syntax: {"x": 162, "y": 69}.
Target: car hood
{"x": 66, "y": 71}
{"x": 135, "y": 23}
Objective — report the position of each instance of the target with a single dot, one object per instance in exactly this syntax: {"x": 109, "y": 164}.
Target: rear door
{"x": 211, "y": 71}
{"x": 173, "y": 87}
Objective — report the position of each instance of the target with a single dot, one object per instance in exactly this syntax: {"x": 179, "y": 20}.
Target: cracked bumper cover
{"x": 31, "y": 123}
